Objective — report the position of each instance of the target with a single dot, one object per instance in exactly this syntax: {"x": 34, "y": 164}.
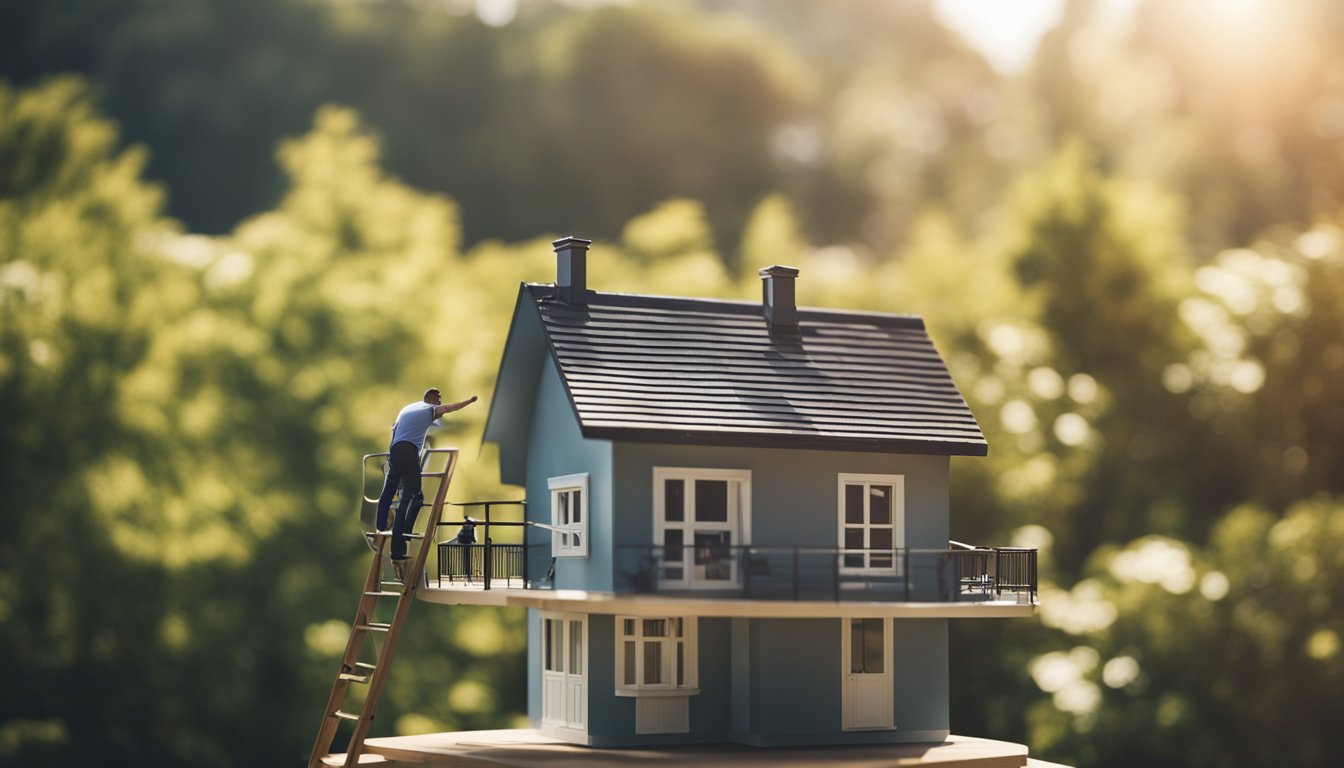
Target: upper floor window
{"x": 569, "y": 515}
{"x": 656, "y": 654}
{"x": 699, "y": 517}
{"x": 872, "y": 523}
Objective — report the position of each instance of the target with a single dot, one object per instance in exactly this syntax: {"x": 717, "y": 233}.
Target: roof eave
{"x": 794, "y": 441}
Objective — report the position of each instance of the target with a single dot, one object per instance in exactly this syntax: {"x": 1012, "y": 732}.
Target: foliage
{"x": 1132, "y": 257}
{"x": 1201, "y": 649}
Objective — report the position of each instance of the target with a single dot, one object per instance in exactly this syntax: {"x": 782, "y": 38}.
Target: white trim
{"x": 885, "y": 716}
{"x": 690, "y": 655}
{"x": 631, "y": 604}
{"x": 897, "y": 482}
{"x": 737, "y": 526}
{"x": 568, "y": 532}
{"x": 563, "y": 688}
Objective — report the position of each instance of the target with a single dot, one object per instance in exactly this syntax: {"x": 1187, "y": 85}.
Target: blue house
{"x": 737, "y": 519}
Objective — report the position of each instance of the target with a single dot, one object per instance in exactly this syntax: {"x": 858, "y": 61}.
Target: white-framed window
{"x": 872, "y": 523}
{"x": 700, "y": 517}
{"x": 656, "y": 655}
{"x": 569, "y": 515}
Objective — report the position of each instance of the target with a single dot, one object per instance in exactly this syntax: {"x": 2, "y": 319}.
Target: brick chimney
{"x": 781, "y": 308}
{"x": 571, "y": 269}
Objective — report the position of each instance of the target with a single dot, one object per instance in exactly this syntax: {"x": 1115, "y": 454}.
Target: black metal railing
{"x": 821, "y": 573}
{"x": 958, "y": 574}
{"x": 482, "y": 562}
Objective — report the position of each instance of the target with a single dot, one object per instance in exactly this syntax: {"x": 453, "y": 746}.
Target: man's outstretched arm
{"x": 440, "y": 410}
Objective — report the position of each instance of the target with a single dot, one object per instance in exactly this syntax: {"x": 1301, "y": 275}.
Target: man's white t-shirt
{"x": 412, "y": 424}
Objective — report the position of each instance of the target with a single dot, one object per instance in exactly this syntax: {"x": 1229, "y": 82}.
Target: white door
{"x": 564, "y": 699}
{"x": 866, "y": 691}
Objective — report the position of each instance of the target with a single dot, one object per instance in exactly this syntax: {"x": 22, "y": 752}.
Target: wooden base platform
{"x": 527, "y": 748}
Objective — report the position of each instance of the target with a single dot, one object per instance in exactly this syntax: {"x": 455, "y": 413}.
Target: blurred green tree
{"x": 80, "y": 298}
{"x": 1203, "y": 650}
{"x": 185, "y": 417}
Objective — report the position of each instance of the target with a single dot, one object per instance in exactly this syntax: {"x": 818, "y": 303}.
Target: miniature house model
{"x": 738, "y": 518}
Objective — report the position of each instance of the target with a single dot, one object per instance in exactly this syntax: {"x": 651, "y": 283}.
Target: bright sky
{"x": 1007, "y": 31}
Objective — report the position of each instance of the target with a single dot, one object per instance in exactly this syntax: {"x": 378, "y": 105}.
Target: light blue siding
{"x": 788, "y": 677}
{"x": 557, "y": 448}
{"x": 612, "y": 717}
{"x": 794, "y": 494}
{"x": 762, "y": 681}
{"x": 920, "y": 675}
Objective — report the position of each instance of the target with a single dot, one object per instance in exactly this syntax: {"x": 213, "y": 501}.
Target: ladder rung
{"x": 383, "y": 594}
{"x": 384, "y": 534}
{"x": 351, "y": 677}
{"x": 345, "y": 716}
{"x": 365, "y": 665}
{"x": 373, "y": 626}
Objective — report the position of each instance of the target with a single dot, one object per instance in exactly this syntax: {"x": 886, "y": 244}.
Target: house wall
{"x": 787, "y": 678}
{"x": 794, "y": 493}
{"x": 762, "y": 681}
{"x": 612, "y": 718}
{"x": 785, "y": 675}
{"x": 556, "y": 447}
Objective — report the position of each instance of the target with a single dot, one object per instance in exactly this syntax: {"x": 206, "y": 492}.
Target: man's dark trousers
{"x": 403, "y": 470}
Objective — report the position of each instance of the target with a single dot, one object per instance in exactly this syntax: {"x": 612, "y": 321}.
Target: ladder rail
{"x": 377, "y": 677}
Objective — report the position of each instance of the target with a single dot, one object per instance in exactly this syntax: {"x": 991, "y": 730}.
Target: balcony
{"x": 797, "y": 573}
{"x": 959, "y": 574}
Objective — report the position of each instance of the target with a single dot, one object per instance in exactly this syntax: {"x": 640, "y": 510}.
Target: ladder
{"x": 373, "y": 675}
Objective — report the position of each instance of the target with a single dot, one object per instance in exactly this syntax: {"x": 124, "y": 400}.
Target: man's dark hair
{"x": 431, "y": 391}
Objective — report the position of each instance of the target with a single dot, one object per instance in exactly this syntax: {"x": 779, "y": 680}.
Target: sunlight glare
{"x": 1006, "y": 33}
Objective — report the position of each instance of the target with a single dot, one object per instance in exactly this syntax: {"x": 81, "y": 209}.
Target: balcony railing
{"x": 484, "y": 562}
{"x": 965, "y": 574}
{"x": 821, "y": 573}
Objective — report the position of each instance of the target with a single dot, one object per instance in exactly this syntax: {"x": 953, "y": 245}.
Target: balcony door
{"x": 564, "y": 664}
{"x": 700, "y": 516}
{"x": 872, "y": 524}
{"x": 866, "y": 685}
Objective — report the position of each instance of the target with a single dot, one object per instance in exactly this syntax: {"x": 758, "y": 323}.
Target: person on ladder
{"x": 403, "y": 467}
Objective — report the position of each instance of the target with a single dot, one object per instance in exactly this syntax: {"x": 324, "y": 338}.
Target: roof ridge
{"x": 617, "y": 299}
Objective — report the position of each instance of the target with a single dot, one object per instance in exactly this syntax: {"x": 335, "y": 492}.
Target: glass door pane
{"x": 711, "y": 501}
{"x": 866, "y": 645}
{"x": 713, "y": 556}
{"x": 575, "y": 647}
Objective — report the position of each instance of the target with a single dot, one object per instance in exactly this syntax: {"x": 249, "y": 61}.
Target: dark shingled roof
{"x": 704, "y": 371}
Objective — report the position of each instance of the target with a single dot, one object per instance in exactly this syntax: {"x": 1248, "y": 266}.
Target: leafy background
{"x": 235, "y": 234}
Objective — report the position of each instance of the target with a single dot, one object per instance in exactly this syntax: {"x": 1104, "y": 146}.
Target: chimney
{"x": 781, "y": 309}
{"x": 571, "y": 269}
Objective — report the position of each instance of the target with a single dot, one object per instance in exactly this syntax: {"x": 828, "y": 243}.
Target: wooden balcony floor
{"x": 584, "y": 601}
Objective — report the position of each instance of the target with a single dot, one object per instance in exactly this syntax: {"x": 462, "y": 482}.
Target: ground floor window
{"x": 656, "y": 654}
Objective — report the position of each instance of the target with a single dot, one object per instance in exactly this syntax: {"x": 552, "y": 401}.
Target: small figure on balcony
{"x": 467, "y": 533}
{"x": 403, "y": 464}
